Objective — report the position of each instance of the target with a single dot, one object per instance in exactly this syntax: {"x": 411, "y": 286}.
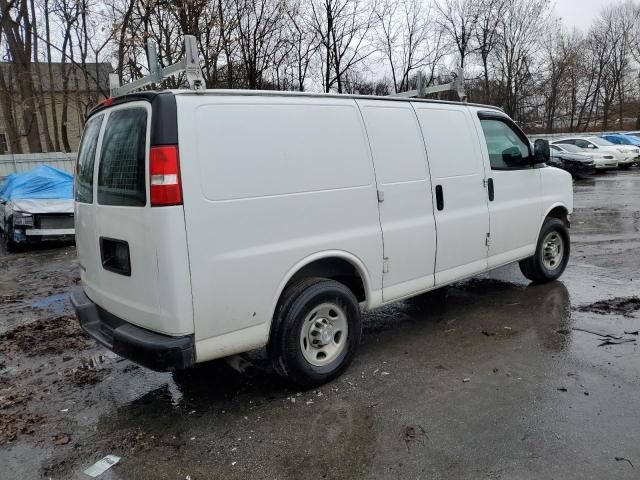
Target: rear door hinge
{"x": 487, "y": 241}
{"x": 484, "y": 183}
{"x": 380, "y": 196}
{"x": 385, "y": 265}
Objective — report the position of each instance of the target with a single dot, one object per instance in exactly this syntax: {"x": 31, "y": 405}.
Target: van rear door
{"x": 133, "y": 255}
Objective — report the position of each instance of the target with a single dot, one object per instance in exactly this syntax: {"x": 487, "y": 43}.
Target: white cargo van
{"x": 212, "y": 223}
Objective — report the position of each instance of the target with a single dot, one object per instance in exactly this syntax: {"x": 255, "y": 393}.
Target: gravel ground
{"x": 495, "y": 379}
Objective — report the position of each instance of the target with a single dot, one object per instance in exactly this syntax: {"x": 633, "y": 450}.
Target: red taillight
{"x": 107, "y": 102}
{"x": 164, "y": 172}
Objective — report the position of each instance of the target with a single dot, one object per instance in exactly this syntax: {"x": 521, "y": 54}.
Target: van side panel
{"x": 557, "y": 191}
{"x": 406, "y": 212}
{"x": 457, "y": 168}
{"x": 268, "y": 182}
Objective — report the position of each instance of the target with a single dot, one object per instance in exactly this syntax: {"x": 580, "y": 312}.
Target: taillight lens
{"x": 164, "y": 171}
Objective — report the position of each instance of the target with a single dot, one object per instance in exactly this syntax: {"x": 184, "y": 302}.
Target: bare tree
{"x": 40, "y": 99}
{"x": 52, "y": 99}
{"x": 487, "y": 34}
{"x": 6, "y": 107}
{"x": 574, "y": 73}
{"x": 559, "y": 53}
{"x": 512, "y": 55}
{"x": 304, "y": 42}
{"x": 459, "y": 19}
{"x": 342, "y": 27}
{"x": 17, "y": 27}
{"x": 258, "y": 28}
{"x": 516, "y": 51}
{"x": 409, "y": 39}
{"x": 620, "y": 19}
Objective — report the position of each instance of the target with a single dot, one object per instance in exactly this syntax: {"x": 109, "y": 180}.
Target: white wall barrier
{"x": 24, "y": 162}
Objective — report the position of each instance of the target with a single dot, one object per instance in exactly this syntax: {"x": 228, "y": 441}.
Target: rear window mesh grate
{"x": 123, "y": 169}
{"x": 121, "y": 180}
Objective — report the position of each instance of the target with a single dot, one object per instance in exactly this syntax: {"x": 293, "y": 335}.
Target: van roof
{"x": 149, "y": 95}
{"x": 281, "y": 93}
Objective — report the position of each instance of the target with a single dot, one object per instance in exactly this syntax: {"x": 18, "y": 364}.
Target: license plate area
{"x": 115, "y": 256}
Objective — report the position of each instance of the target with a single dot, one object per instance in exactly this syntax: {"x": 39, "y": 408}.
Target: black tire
{"x": 626, "y": 166}
{"x": 297, "y": 302}
{"x": 534, "y": 268}
{"x": 9, "y": 245}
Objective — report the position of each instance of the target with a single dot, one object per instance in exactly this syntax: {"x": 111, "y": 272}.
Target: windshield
{"x": 630, "y": 140}
{"x": 622, "y": 140}
{"x": 601, "y": 142}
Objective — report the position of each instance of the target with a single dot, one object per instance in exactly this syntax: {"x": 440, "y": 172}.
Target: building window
{"x": 4, "y": 148}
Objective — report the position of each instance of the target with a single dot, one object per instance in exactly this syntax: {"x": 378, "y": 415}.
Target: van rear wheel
{"x": 316, "y": 333}
{"x": 552, "y": 253}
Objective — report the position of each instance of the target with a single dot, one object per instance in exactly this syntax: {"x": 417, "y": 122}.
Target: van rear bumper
{"x": 150, "y": 349}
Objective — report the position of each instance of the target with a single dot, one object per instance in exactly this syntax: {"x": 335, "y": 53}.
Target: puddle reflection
{"x": 215, "y": 386}
{"x": 552, "y": 315}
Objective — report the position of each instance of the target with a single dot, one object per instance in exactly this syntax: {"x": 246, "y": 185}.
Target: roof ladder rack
{"x": 457, "y": 85}
{"x": 190, "y": 64}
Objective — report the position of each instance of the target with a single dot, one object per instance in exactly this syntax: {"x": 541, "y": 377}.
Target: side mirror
{"x": 542, "y": 152}
{"x": 512, "y": 157}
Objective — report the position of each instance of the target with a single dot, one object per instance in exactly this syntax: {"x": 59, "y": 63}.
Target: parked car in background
{"x": 577, "y": 164}
{"x": 601, "y": 160}
{"x": 37, "y": 206}
{"x": 626, "y": 155}
{"x": 622, "y": 139}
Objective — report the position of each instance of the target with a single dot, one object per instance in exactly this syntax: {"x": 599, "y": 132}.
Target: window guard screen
{"x": 121, "y": 179}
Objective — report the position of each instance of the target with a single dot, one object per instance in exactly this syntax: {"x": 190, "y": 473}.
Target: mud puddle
{"x": 49, "y": 336}
{"x": 491, "y": 380}
{"x": 18, "y": 423}
{"x": 625, "y": 306}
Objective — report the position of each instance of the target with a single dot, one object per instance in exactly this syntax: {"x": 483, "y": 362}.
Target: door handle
{"x": 490, "y": 189}
{"x": 439, "y": 197}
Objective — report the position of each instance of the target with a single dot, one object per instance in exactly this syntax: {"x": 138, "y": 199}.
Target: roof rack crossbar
{"x": 190, "y": 64}
{"x": 457, "y": 85}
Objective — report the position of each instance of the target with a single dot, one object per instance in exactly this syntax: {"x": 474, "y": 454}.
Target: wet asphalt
{"x": 493, "y": 378}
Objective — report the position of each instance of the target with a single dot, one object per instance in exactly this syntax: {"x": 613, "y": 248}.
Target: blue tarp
{"x": 40, "y": 183}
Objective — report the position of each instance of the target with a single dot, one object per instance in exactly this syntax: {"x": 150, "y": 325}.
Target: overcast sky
{"x": 580, "y": 13}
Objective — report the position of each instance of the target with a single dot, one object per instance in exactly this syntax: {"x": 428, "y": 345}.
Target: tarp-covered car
{"x": 36, "y": 206}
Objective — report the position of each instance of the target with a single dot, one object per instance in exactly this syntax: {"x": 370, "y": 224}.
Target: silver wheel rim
{"x": 552, "y": 250}
{"x": 324, "y": 334}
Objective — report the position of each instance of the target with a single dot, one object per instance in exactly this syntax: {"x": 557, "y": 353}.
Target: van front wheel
{"x": 552, "y": 253}
{"x": 317, "y": 332}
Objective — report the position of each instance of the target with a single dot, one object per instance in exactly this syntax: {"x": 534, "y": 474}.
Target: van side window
{"x": 121, "y": 177}
{"x": 506, "y": 149}
{"x": 86, "y": 160}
